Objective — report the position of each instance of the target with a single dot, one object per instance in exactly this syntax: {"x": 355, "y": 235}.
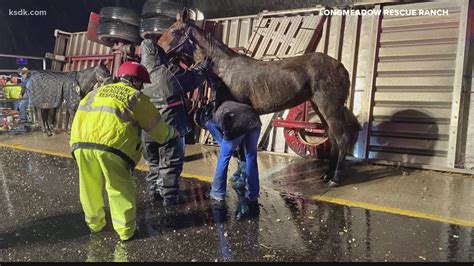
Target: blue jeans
{"x": 21, "y": 105}
{"x": 215, "y": 131}
{"x": 217, "y": 134}
{"x": 238, "y": 179}
{"x": 219, "y": 182}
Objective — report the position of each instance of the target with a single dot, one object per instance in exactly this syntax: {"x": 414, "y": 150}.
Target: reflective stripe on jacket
{"x": 111, "y": 117}
{"x": 12, "y": 91}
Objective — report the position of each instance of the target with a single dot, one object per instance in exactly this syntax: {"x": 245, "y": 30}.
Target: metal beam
{"x": 368, "y": 96}
{"x": 461, "y": 60}
{"x": 21, "y": 56}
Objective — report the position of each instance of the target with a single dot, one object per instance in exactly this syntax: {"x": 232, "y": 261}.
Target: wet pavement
{"x": 41, "y": 220}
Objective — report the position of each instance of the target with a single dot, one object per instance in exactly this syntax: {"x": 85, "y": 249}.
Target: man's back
{"x": 113, "y": 116}
{"x": 236, "y": 118}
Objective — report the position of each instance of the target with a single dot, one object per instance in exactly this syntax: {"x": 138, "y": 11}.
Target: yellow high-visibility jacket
{"x": 111, "y": 117}
{"x": 12, "y": 91}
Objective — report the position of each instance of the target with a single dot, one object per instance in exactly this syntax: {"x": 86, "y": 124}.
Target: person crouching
{"x": 240, "y": 125}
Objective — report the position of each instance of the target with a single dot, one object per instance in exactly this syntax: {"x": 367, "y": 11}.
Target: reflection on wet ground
{"x": 42, "y": 220}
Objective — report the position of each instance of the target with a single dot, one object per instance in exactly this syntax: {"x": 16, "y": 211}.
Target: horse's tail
{"x": 352, "y": 127}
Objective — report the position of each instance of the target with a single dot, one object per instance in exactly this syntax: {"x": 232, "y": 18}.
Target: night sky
{"x": 33, "y": 35}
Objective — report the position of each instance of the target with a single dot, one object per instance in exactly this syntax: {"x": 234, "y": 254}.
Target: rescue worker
{"x": 239, "y": 124}
{"x": 12, "y": 90}
{"x": 105, "y": 141}
{"x": 203, "y": 118}
{"x": 168, "y": 88}
{"x": 22, "y": 104}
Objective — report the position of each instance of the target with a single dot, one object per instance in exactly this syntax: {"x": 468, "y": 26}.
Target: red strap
{"x": 173, "y": 104}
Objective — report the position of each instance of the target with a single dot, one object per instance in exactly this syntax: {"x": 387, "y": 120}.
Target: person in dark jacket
{"x": 238, "y": 124}
{"x": 203, "y": 117}
{"x": 169, "y": 84}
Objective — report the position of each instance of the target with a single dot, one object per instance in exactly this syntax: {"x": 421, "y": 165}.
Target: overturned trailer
{"x": 411, "y": 76}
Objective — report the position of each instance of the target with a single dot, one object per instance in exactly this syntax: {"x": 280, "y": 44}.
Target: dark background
{"x": 33, "y": 35}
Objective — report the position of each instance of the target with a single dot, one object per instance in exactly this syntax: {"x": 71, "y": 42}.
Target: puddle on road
{"x": 43, "y": 221}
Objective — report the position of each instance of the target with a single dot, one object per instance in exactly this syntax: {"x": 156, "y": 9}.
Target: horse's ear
{"x": 178, "y": 16}
{"x": 100, "y": 65}
{"x": 183, "y": 15}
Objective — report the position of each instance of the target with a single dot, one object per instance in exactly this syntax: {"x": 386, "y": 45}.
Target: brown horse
{"x": 274, "y": 86}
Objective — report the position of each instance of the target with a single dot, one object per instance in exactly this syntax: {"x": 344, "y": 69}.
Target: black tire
{"x": 115, "y": 13}
{"x": 155, "y": 26}
{"x": 113, "y": 32}
{"x": 164, "y": 8}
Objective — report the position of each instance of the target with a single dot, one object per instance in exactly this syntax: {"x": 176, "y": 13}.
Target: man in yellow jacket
{"x": 105, "y": 141}
{"x": 12, "y": 91}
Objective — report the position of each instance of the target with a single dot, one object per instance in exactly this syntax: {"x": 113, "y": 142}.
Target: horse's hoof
{"x": 331, "y": 184}
{"x": 325, "y": 177}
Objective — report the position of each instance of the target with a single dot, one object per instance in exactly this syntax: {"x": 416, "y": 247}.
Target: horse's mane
{"x": 213, "y": 42}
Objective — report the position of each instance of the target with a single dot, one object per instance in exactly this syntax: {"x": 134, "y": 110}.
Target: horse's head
{"x": 93, "y": 77}
{"x": 178, "y": 38}
{"x": 102, "y": 75}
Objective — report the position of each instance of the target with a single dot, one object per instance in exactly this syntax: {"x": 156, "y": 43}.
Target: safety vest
{"x": 111, "y": 117}
{"x": 12, "y": 91}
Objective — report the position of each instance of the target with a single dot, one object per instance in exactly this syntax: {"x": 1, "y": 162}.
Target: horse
{"x": 273, "y": 86}
{"x": 48, "y": 90}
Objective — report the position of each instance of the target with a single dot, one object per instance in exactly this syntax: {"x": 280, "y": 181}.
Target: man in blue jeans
{"x": 233, "y": 124}
{"x": 25, "y": 100}
{"x": 239, "y": 175}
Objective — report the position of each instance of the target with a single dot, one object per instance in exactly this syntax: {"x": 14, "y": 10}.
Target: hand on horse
{"x": 152, "y": 54}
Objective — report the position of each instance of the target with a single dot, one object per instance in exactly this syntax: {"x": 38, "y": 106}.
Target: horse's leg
{"x": 69, "y": 122}
{"x": 53, "y": 119}
{"x": 45, "y": 122}
{"x": 39, "y": 114}
{"x": 333, "y": 114}
{"x": 334, "y": 149}
{"x": 329, "y": 174}
{"x": 50, "y": 121}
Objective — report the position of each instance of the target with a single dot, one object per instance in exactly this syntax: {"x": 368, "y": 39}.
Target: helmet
{"x": 131, "y": 68}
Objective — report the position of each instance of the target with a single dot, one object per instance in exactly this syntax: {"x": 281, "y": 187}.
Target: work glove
{"x": 204, "y": 65}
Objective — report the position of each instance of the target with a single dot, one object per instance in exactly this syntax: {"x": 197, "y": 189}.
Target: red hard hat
{"x": 131, "y": 68}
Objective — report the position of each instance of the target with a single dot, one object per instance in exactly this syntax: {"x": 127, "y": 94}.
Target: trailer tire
{"x": 155, "y": 26}
{"x": 164, "y": 8}
{"x": 114, "y": 13}
{"x": 113, "y": 32}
